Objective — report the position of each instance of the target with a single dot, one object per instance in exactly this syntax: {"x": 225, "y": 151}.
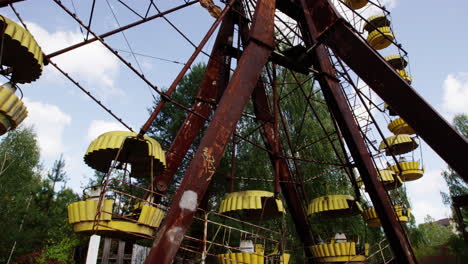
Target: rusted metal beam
{"x": 333, "y": 31}
{"x": 289, "y": 191}
{"x": 4, "y": 3}
{"x": 208, "y": 155}
{"x": 216, "y": 76}
{"x": 319, "y": 17}
{"x": 269, "y": 124}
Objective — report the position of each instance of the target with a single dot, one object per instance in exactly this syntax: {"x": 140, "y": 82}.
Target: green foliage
{"x": 438, "y": 240}
{"x": 34, "y": 215}
{"x": 171, "y": 117}
{"x": 19, "y": 180}
{"x": 455, "y": 183}
{"x": 461, "y": 124}
{"x": 60, "y": 252}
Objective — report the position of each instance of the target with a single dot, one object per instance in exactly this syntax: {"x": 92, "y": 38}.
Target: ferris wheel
{"x": 284, "y": 79}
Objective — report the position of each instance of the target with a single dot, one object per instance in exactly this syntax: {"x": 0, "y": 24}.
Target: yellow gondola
{"x": 87, "y": 219}
{"x": 356, "y": 4}
{"x": 405, "y": 75}
{"x": 334, "y": 252}
{"x": 380, "y": 38}
{"x": 334, "y": 206}
{"x": 215, "y": 11}
{"x": 389, "y": 179}
{"x": 21, "y": 52}
{"x": 372, "y": 219}
{"x": 396, "y": 61}
{"x": 138, "y": 152}
{"x": 255, "y": 257}
{"x": 376, "y": 21}
{"x": 398, "y": 144}
{"x": 399, "y": 126}
{"x": 380, "y": 35}
{"x": 253, "y": 204}
{"x": 12, "y": 109}
{"x": 411, "y": 170}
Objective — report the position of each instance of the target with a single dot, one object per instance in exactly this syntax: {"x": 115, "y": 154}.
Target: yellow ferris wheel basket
{"x": 21, "y": 52}
{"x": 252, "y": 204}
{"x": 142, "y": 154}
{"x": 12, "y": 110}
{"x": 398, "y": 144}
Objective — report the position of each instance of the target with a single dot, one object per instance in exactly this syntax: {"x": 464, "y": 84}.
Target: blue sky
{"x": 433, "y": 33}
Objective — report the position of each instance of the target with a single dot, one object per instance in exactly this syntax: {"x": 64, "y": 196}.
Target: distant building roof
{"x": 443, "y": 221}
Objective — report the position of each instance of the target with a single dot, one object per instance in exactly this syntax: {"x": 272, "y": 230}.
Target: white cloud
{"x": 389, "y": 4}
{"x": 77, "y": 170}
{"x": 425, "y": 196}
{"x": 455, "y": 96}
{"x": 49, "y": 121}
{"x": 98, "y": 127}
{"x": 92, "y": 63}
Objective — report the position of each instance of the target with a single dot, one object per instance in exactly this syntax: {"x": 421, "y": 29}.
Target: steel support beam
{"x": 4, "y": 3}
{"x": 266, "y": 119}
{"x": 288, "y": 188}
{"x": 318, "y": 12}
{"x": 216, "y": 78}
{"x": 208, "y": 155}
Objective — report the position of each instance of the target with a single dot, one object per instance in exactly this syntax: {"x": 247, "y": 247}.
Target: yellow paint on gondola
{"x": 12, "y": 110}
{"x": 20, "y": 52}
{"x": 256, "y": 257}
{"x": 399, "y": 126}
{"x": 82, "y": 215}
{"x": 338, "y": 252}
{"x": 405, "y": 75}
{"x": 138, "y": 152}
{"x": 396, "y": 61}
{"x": 258, "y": 204}
{"x": 380, "y": 38}
{"x": 334, "y": 205}
{"x": 398, "y": 144}
{"x": 372, "y": 219}
{"x": 356, "y": 4}
{"x": 411, "y": 170}
{"x": 388, "y": 177}
{"x": 376, "y": 21}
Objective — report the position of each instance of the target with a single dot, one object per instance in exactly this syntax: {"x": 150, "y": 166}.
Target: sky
{"x": 66, "y": 121}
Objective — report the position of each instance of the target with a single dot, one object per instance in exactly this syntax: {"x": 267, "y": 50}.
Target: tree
{"x": 34, "y": 220}
{"x": 57, "y": 174}
{"x": 455, "y": 183}
{"x": 19, "y": 180}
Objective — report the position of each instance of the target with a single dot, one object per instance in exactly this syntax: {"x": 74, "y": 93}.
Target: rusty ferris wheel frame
{"x": 322, "y": 28}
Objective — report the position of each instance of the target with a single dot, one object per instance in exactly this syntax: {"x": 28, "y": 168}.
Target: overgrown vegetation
{"x": 34, "y": 221}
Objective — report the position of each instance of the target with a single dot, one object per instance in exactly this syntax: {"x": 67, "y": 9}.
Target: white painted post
{"x": 93, "y": 249}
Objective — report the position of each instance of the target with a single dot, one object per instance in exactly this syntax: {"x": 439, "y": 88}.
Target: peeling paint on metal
{"x": 175, "y": 234}
{"x": 189, "y": 201}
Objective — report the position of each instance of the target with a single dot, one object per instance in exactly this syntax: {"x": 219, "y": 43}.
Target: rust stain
{"x": 208, "y": 163}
